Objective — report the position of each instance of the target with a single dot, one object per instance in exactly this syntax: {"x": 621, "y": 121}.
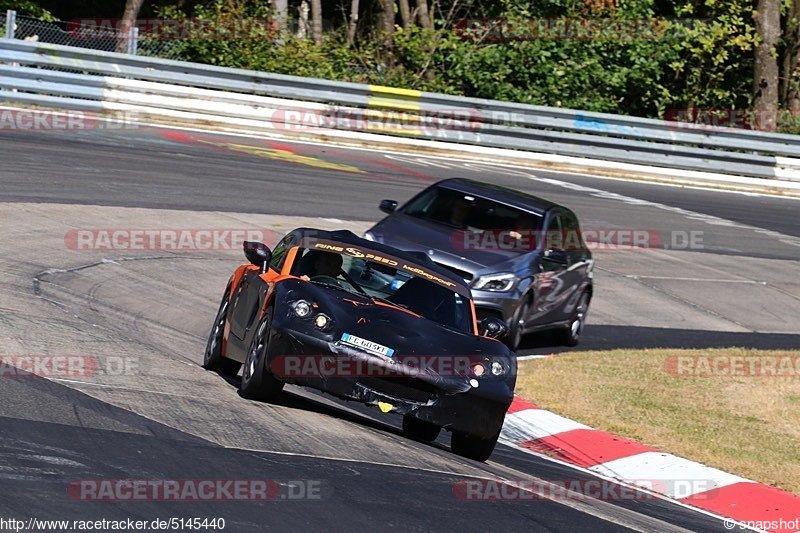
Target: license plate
{"x": 369, "y": 346}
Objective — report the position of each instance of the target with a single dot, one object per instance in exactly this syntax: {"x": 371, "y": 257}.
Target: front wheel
{"x": 518, "y": 325}
{"x": 473, "y": 447}
{"x": 212, "y": 358}
{"x": 258, "y": 383}
{"x": 570, "y": 336}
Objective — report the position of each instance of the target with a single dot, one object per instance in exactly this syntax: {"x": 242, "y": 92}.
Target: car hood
{"x": 442, "y": 243}
{"x": 404, "y": 332}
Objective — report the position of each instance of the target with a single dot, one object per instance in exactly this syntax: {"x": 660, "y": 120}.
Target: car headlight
{"x": 498, "y": 368}
{"x": 301, "y": 308}
{"x": 494, "y": 367}
{"x": 322, "y": 321}
{"x": 500, "y": 282}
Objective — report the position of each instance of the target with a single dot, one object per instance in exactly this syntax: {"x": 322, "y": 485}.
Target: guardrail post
{"x": 11, "y": 23}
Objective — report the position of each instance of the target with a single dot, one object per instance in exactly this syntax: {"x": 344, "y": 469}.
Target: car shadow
{"x": 602, "y": 337}
{"x": 293, "y": 399}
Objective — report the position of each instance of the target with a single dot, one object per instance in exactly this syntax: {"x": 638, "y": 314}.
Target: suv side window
{"x": 553, "y": 236}
{"x": 573, "y": 236}
{"x": 279, "y": 253}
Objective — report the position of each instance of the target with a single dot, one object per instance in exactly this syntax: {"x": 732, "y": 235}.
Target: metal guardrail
{"x": 76, "y": 78}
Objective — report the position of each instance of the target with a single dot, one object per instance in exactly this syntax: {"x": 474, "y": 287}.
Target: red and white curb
{"x": 611, "y": 456}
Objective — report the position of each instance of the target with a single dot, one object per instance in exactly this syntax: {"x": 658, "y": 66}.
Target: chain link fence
{"x": 77, "y": 33}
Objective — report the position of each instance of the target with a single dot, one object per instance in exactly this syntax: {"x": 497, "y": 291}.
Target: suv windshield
{"x": 469, "y": 212}
{"x": 384, "y": 278}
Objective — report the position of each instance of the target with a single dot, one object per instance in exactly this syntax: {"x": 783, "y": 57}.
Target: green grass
{"x": 745, "y": 425}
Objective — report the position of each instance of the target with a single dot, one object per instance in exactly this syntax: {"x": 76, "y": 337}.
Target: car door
{"x": 550, "y": 282}
{"x": 579, "y": 257}
{"x": 245, "y": 306}
{"x": 252, "y": 289}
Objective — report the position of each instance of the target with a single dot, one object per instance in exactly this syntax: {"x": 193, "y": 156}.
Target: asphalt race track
{"x": 164, "y": 417}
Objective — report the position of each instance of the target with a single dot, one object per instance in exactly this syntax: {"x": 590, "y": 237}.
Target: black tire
{"x": 473, "y": 447}
{"x": 212, "y": 358}
{"x": 417, "y": 429}
{"x": 515, "y": 333}
{"x": 258, "y": 383}
{"x": 571, "y": 335}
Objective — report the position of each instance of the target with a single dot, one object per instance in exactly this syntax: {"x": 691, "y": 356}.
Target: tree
{"x": 790, "y": 77}
{"x": 386, "y": 29}
{"x": 302, "y": 21}
{"x": 316, "y": 21}
{"x": 352, "y": 24}
{"x": 767, "y": 19}
{"x": 281, "y": 8}
{"x": 423, "y": 14}
{"x": 405, "y": 14}
{"x": 129, "y": 16}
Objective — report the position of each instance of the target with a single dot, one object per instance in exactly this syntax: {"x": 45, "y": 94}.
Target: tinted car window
{"x": 573, "y": 238}
{"x": 554, "y": 237}
{"x": 279, "y": 253}
{"x": 401, "y": 288}
{"x": 469, "y": 212}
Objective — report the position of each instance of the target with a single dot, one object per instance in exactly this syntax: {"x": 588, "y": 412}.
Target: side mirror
{"x": 257, "y": 253}
{"x": 388, "y": 206}
{"x": 493, "y": 327}
{"x": 556, "y": 255}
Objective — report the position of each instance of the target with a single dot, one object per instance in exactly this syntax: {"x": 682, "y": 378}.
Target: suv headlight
{"x": 500, "y": 282}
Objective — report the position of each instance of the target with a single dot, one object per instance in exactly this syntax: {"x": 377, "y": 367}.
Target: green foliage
{"x": 27, "y": 8}
{"x": 714, "y": 69}
{"x": 667, "y": 54}
{"x": 416, "y": 51}
{"x": 689, "y": 53}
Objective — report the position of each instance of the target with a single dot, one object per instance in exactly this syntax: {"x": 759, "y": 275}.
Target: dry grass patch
{"x": 743, "y": 424}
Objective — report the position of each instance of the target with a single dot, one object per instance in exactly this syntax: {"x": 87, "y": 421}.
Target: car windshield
{"x": 403, "y": 285}
{"x": 469, "y": 212}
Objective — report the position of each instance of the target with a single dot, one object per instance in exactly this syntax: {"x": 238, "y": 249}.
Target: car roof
{"x": 520, "y": 200}
{"x": 349, "y": 238}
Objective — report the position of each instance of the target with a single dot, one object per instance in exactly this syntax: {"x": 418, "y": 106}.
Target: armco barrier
{"x": 181, "y": 92}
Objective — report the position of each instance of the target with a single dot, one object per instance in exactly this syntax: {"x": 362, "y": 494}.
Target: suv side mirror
{"x": 556, "y": 255}
{"x": 493, "y": 327}
{"x": 257, "y": 253}
{"x": 388, "y": 206}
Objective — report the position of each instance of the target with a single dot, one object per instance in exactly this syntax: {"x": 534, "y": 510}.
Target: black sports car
{"x": 370, "y": 323}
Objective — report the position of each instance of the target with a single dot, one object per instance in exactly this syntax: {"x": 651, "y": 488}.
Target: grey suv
{"x": 523, "y": 257}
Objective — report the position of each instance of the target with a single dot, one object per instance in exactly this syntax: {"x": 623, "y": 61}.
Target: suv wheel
{"x": 570, "y": 336}
{"x": 517, "y": 324}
